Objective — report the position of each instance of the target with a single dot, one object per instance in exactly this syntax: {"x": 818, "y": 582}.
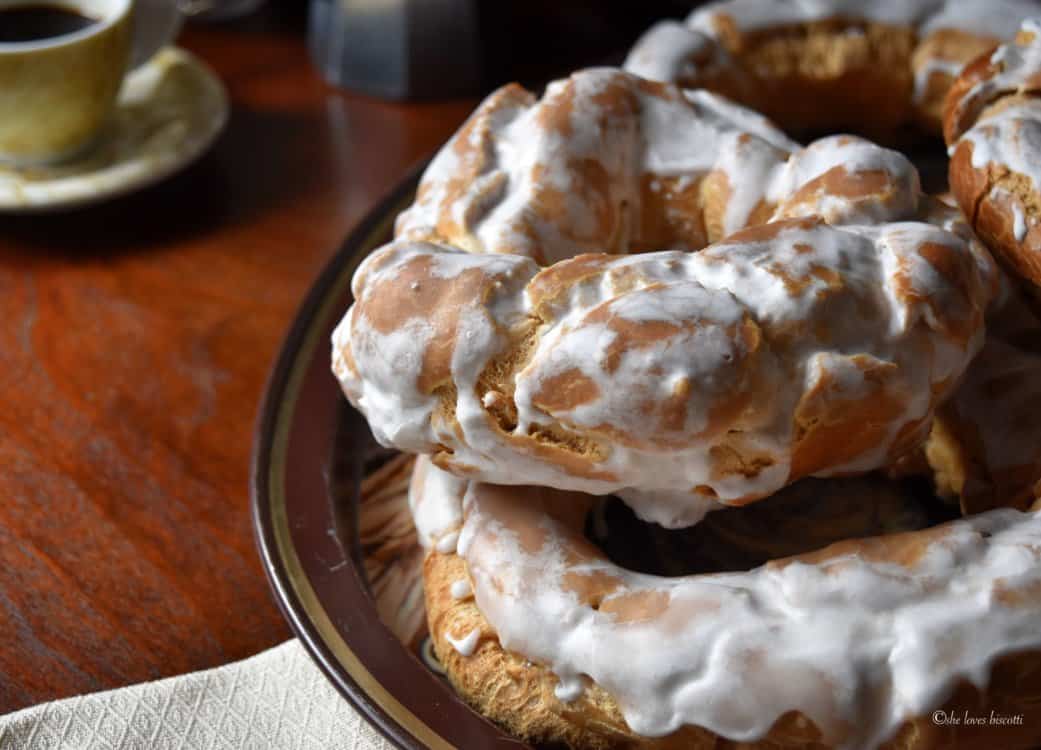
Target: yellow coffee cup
{"x": 57, "y": 92}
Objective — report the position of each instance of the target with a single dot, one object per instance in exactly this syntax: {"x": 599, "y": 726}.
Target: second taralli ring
{"x": 853, "y": 645}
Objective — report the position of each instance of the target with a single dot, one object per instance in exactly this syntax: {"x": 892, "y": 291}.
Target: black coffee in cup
{"x": 30, "y": 23}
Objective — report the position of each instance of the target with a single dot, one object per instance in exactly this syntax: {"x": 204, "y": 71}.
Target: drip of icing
{"x": 1019, "y": 224}
{"x": 448, "y": 543}
{"x": 569, "y": 689}
{"x": 667, "y": 51}
{"x": 440, "y": 495}
{"x": 461, "y": 589}
{"x": 466, "y": 645}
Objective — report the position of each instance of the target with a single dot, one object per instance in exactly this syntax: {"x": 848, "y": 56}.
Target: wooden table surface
{"x": 135, "y": 339}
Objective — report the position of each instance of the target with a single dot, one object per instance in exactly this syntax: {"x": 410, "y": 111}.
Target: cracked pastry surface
{"x": 992, "y": 125}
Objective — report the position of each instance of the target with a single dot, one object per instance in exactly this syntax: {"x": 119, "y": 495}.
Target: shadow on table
{"x": 263, "y": 159}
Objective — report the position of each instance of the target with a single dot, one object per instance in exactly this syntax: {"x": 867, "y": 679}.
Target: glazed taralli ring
{"x": 992, "y": 126}
{"x": 676, "y": 379}
{"x": 829, "y": 64}
{"x": 851, "y": 646}
{"x": 788, "y": 350}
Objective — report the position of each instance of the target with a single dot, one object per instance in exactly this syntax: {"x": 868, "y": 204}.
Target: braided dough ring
{"x": 820, "y": 351}
{"x": 993, "y": 130}
{"x": 851, "y": 646}
{"x": 581, "y": 375}
{"x": 829, "y": 64}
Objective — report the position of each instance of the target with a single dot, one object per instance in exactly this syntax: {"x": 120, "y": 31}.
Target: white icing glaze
{"x": 460, "y": 589}
{"x": 466, "y": 645}
{"x": 447, "y": 543}
{"x": 569, "y": 689}
{"x": 1009, "y": 138}
{"x": 755, "y": 15}
{"x": 856, "y": 311}
{"x": 857, "y": 157}
{"x": 858, "y": 641}
{"x": 997, "y": 19}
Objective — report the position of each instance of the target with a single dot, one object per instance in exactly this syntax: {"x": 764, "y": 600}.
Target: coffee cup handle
{"x": 155, "y": 24}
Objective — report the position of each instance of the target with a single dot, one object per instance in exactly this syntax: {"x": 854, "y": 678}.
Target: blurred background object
{"x": 416, "y": 49}
{"x": 397, "y": 48}
{"x": 217, "y": 10}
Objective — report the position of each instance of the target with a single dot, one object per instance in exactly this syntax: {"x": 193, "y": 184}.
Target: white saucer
{"x": 170, "y": 110}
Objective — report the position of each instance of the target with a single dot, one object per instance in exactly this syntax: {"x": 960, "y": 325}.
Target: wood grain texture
{"x": 135, "y": 339}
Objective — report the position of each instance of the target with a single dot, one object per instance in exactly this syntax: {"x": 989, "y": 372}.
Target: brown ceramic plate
{"x": 307, "y": 463}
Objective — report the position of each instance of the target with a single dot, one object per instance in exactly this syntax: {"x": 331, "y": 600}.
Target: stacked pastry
{"x": 626, "y": 289}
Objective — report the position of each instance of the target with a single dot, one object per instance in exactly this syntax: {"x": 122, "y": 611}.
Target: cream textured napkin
{"x": 277, "y": 700}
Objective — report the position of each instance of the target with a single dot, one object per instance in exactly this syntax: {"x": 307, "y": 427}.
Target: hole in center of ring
{"x": 806, "y": 516}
